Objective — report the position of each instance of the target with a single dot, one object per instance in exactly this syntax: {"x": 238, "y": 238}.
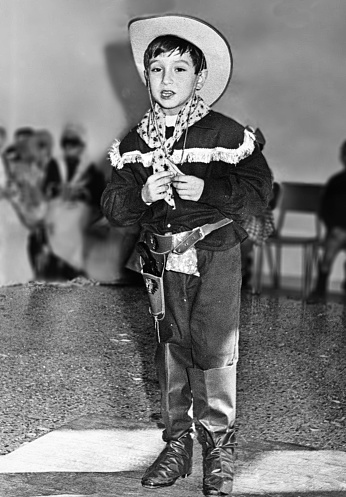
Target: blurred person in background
{"x": 24, "y": 180}
{"x": 45, "y": 265}
{"x": 22, "y": 134}
{"x": 22, "y": 207}
{"x": 258, "y": 227}
{"x": 49, "y": 198}
{"x": 8, "y": 227}
{"x": 333, "y": 215}
{"x": 74, "y": 176}
{"x": 73, "y": 186}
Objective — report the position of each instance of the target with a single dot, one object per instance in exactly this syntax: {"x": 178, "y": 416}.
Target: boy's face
{"x": 172, "y": 79}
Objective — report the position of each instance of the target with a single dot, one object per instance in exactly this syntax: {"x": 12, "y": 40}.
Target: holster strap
{"x": 162, "y": 244}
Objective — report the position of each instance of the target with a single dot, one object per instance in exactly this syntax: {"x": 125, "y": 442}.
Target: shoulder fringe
{"x": 228, "y": 155}
{"x": 118, "y": 161}
{"x": 204, "y": 155}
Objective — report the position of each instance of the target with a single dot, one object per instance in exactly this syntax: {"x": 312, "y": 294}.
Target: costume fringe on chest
{"x": 204, "y": 155}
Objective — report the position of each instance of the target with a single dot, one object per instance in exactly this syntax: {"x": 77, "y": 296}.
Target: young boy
{"x": 189, "y": 176}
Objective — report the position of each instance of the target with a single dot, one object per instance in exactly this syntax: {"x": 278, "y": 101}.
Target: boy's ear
{"x": 146, "y": 77}
{"x": 202, "y": 76}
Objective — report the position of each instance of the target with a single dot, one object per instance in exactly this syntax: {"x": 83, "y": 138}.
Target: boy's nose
{"x": 167, "y": 77}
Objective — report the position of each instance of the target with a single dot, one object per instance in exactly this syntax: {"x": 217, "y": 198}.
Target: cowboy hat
{"x": 216, "y": 50}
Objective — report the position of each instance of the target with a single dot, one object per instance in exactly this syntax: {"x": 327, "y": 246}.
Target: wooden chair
{"x": 295, "y": 198}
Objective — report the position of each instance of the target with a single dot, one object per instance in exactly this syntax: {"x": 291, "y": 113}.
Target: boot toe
{"x": 158, "y": 481}
{"x": 175, "y": 461}
{"x": 158, "y": 478}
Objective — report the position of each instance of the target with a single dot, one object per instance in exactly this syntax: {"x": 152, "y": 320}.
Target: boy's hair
{"x": 170, "y": 44}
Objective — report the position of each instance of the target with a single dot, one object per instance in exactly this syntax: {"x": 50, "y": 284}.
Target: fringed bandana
{"x": 152, "y": 129}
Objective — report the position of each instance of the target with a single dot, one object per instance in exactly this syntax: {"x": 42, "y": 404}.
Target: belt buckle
{"x": 201, "y": 232}
{"x": 190, "y": 240}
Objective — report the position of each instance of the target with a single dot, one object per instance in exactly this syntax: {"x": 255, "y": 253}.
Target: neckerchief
{"x": 152, "y": 129}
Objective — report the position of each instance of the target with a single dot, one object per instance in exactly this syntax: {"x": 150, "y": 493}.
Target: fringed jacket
{"x": 237, "y": 182}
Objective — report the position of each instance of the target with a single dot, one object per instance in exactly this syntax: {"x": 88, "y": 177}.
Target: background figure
{"x": 44, "y": 264}
{"x": 333, "y": 215}
{"x": 29, "y": 161}
{"x": 14, "y": 264}
{"x": 259, "y": 227}
{"x": 22, "y": 134}
{"x": 74, "y": 177}
{"x": 73, "y": 186}
{"x": 22, "y": 208}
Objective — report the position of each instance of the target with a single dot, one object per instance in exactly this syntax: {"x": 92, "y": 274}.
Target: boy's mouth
{"x": 167, "y": 93}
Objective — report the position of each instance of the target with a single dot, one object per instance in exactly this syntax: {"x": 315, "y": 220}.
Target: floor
{"x": 80, "y": 402}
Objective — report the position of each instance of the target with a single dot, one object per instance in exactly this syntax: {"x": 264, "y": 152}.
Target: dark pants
{"x": 202, "y": 313}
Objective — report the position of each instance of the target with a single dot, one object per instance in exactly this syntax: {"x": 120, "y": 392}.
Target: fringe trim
{"x": 118, "y": 161}
{"x": 204, "y": 155}
{"x": 114, "y": 154}
{"x": 228, "y": 155}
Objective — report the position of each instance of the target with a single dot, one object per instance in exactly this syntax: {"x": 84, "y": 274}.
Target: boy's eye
{"x": 155, "y": 69}
{"x": 180, "y": 69}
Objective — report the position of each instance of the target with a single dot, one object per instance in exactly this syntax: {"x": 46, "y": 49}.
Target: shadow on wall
{"x": 128, "y": 89}
{"x": 110, "y": 250}
{"x": 126, "y": 83}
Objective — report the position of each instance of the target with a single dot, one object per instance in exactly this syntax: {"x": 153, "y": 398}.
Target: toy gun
{"x": 152, "y": 272}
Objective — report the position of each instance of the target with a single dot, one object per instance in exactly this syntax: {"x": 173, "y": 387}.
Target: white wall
{"x": 69, "y": 60}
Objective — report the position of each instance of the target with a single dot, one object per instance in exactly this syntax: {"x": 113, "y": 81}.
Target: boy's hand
{"x": 188, "y": 187}
{"x": 156, "y": 187}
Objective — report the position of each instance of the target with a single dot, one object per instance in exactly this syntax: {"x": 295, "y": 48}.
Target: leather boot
{"x": 214, "y": 393}
{"x": 175, "y": 460}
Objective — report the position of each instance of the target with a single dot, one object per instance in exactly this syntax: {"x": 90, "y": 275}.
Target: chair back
{"x": 301, "y": 198}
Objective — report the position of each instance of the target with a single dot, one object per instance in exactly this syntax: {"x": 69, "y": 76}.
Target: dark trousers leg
{"x": 202, "y": 313}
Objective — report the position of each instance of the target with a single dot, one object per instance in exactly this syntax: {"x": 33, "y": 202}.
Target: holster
{"x": 154, "y": 286}
{"x": 153, "y": 267}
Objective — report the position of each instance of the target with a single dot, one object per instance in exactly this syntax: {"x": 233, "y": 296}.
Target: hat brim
{"x": 214, "y": 46}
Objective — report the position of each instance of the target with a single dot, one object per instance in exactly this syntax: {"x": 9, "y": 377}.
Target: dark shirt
{"x": 333, "y": 202}
{"x": 233, "y": 190}
{"x": 92, "y": 179}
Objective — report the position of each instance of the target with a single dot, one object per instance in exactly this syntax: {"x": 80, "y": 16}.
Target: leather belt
{"x": 163, "y": 244}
